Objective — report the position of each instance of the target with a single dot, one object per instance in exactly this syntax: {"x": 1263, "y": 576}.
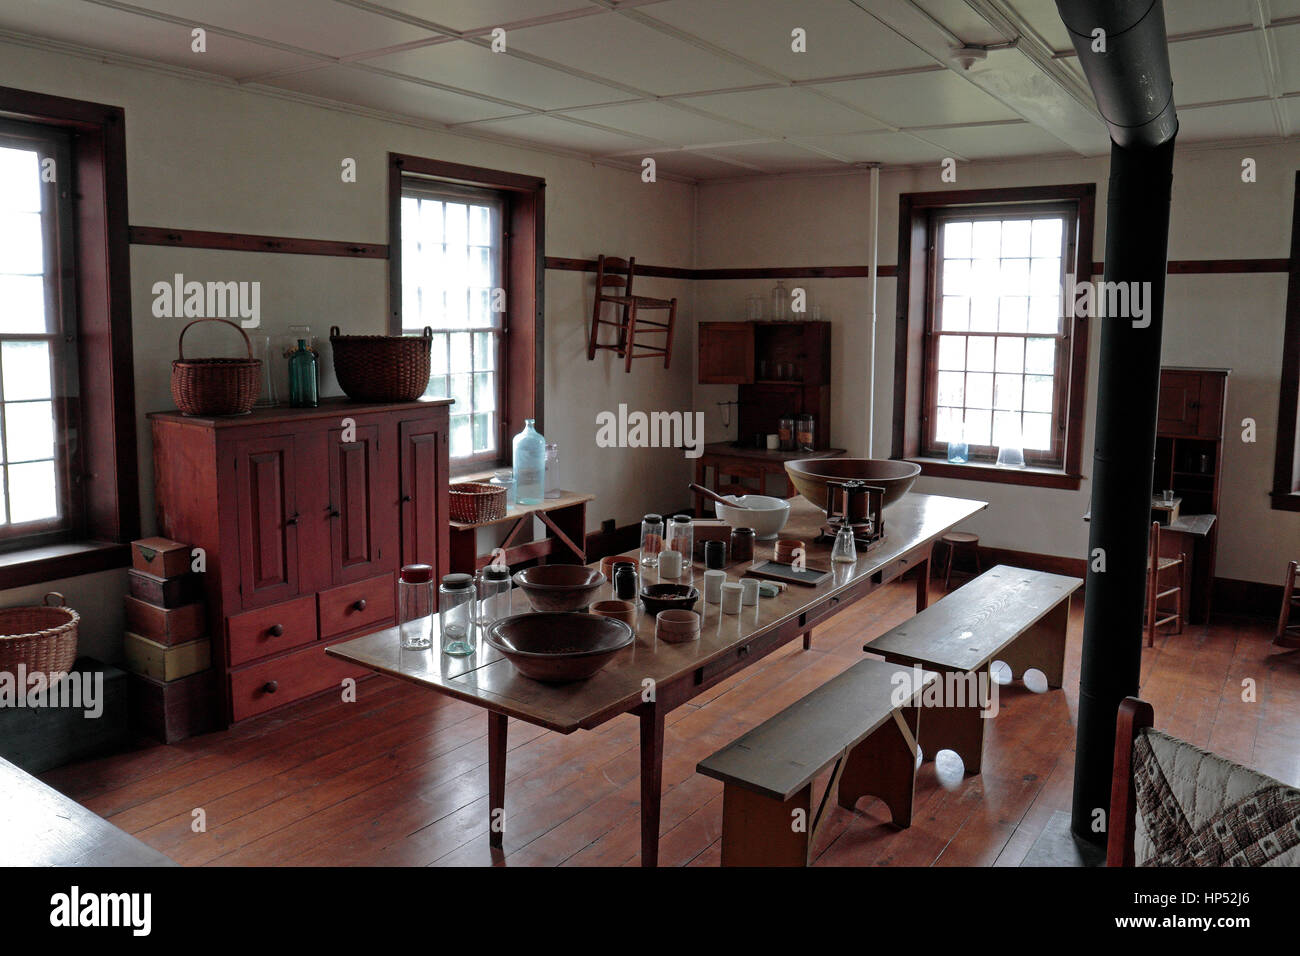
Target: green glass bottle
{"x": 302, "y": 377}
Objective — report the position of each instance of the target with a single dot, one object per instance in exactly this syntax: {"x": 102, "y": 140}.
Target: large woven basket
{"x": 215, "y": 386}
{"x": 473, "y": 502}
{"x": 42, "y": 639}
{"x": 382, "y": 368}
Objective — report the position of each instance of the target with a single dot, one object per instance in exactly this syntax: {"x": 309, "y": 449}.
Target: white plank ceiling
{"x": 710, "y": 88}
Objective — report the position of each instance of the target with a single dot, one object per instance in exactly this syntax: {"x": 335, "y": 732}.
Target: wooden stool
{"x": 955, "y": 540}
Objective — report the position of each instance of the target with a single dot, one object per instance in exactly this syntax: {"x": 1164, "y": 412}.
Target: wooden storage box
{"x": 173, "y": 711}
{"x": 42, "y": 738}
{"x": 164, "y": 663}
{"x": 160, "y": 556}
{"x": 163, "y": 592}
{"x": 165, "y": 625}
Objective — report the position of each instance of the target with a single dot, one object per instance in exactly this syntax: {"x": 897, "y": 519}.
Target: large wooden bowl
{"x": 810, "y": 475}
{"x": 556, "y": 648}
{"x": 559, "y": 587}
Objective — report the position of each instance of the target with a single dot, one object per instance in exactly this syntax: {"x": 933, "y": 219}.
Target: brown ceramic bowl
{"x": 559, "y": 587}
{"x": 559, "y": 647}
{"x": 624, "y": 611}
{"x": 810, "y": 475}
{"x": 676, "y": 626}
{"x": 663, "y": 597}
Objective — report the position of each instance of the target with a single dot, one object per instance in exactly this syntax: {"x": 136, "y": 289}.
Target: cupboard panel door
{"x": 726, "y": 353}
{"x": 362, "y": 531}
{"x": 423, "y": 453}
{"x": 1180, "y": 403}
{"x": 268, "y": 518}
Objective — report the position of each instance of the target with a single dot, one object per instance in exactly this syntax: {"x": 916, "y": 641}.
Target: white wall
{"x": 214, "y": 157}
{"x": 1231, "y": 321}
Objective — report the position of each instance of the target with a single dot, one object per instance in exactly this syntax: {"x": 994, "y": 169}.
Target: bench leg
{"x": 761, "y": 831}
{"x": 1042, "y": 647}
{"x": 884, "y": 766}
{"x": 959, "y": 728}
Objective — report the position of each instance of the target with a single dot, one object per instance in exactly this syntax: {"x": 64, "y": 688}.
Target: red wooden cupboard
{"x": 303, "y": 532}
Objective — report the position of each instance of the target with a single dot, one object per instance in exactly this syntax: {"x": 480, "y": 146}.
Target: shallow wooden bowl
{"x": 664, "y": 597}
{"x": 810, "y": 475}
{"x": 624, "y": 611}
{"x": 559, "y": 587}
{"x": 677, "y": 626}
{"x": 558, "y": 647}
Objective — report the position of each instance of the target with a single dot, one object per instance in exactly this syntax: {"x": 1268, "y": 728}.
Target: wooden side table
{"x": 741, "y": 463}
{"x": 565, "y": 518}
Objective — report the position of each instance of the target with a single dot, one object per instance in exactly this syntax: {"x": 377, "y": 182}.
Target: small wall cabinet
{"x": 305, "y": 517}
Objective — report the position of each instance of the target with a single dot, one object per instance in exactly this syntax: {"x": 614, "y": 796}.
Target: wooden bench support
{"x": 884, "y": 766}
{"x": 956, "y": 728}
{"x": 1041, "y": 647}
{"x": 761, "y": 831}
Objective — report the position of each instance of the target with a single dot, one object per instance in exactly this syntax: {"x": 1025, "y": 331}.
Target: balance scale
{"x": 858, "y": 505}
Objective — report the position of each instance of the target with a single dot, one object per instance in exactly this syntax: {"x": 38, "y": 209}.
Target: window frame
{"x": 915, "y": 275}
{"x": 523, "y": 276}
{"x": 1285, "y": 494}
{"x": 1054, "y": 457}
{"x": 105, "y": 410}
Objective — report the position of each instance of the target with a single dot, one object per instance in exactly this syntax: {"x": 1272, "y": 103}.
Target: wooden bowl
{"x": 624, "y": 611}
{"x": 559, "y": 587}
{"x": 664, "y": 597}
{"x": 810, "y": 475}
{"x": 677, "y": 626}
{"x": 785, "y": 549}
{"x": 558, "y": 647}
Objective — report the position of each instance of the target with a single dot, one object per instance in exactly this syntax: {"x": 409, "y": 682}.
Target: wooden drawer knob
{"x": 271, "y": 686}
{"x": 277, "y": 630}
{"x": 744, "y": 651}
{"x": 360, "y": 605}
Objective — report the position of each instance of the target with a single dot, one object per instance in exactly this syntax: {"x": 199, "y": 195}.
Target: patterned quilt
{"x": 1197, "y": 809}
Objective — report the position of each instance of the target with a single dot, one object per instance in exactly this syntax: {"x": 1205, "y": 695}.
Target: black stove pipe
{"x": 1130, "y": 78}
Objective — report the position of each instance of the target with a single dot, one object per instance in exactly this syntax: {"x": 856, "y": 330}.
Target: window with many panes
{"x": 997, "y": 341}
{"x": 37, "y": 334}
{"x": 451, "y": 282}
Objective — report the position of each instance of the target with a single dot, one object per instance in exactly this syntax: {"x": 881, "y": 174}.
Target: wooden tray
{"x": 809, "y": 577}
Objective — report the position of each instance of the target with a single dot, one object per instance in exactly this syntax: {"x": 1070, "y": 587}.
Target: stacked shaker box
{"x": 167, "y": 649}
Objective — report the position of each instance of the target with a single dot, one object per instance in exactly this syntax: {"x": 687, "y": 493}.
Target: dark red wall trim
{"x": 245, "y": 242}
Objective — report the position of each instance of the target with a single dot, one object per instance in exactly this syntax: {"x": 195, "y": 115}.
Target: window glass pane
{"x": 986, "y": 239}
{"x": 484, "y": 351}
{"x": 1045, "y": 313}
{"x": 1006, "y": 392}
{"x": 438, "y": 359}
{"x": 1047, "y": 237}
{"x": 483, "y": 432}
{"x": 956, "y": 277}
{"x": 461, "y": 360}
{"x": 1015, "y": 276}
{"x": 1045, "y": 276}
{"x": 1014, "y": 314}
{"x": 1015, "y": 238}
{"x": 23, "y": 304}
{"x": 26, "y": 370}
{"x": 1006, "y": 429}
{"x": 1040, "y": 355}
{"x": 460, "y": 391}
{"x": 951, "y": 390}
{"x": 979, "y": 424}
{"x": 979, "y": 354}
{"x": 1037, "y": 431}
{"x": 945, "y": 425}
{"x": 956, "y": 240}
{"x": 1011, "y": 354}
{"x": 20, "y": 243}
{"x": 480, "y": 225}
{"x": 984, "y": 313}
{"x": 985, "y": 277}
{"x": 462, "y": 441}
{"x": 952, "y": 352}
{"x": 485, "y": 392}
{"x": 456, "y": 224}
{"x": 979, "y": 390}
{"x": 20, "y": 180}
{"x": 29, "y": 431}
{"x": 954, "y": 316}
{"x": 32, "y": 492}
{"x": 1038, "y": 393}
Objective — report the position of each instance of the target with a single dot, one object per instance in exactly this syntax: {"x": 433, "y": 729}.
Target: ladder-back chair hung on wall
{"x": 1156, "y": 566}
{"x": 615, "y": 289}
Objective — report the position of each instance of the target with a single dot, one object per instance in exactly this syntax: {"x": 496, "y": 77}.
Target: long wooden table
{"x": 651, "y": 679}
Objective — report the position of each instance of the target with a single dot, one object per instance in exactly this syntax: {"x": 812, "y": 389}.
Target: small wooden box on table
{"x": 864, "y": 722}
{"x": 1014, "y": 615}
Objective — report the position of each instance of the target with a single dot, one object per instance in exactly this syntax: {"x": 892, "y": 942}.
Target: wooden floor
{"x": 400, "y": 776}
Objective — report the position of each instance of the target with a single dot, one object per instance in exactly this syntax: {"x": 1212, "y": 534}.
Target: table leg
{"x": 807, "y": 639}
{"x": 923, "y": 584}
{"x": 496, "y": 778}
{"x": 652, "y": 773}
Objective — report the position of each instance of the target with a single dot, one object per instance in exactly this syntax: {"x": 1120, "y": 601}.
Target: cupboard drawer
{"x": 259, "y": 687}
{"x": 367, "y": 603}
{"x": 270, "y": 630}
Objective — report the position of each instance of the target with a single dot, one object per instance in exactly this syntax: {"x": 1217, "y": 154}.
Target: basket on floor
{"x": 41, "y": 639}
{"x": 473, "y": 502}
{"x": 215, "y": 386}
{"x": 382, "y": 368}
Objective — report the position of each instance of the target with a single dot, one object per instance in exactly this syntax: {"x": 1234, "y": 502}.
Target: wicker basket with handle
{"x": 382, "y": 368}
{"x": 42, "y": 639}
{"x": 215, "y": 386}
{"x": 473, "y": 502}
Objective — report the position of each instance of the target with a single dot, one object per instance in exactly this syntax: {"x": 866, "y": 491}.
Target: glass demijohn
{"x": 530, "y": 465}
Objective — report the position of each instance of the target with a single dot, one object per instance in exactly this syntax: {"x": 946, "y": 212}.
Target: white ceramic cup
{"x": 773, "y": 442}
{"x": 731, "y": 594}
{"x": 670, "y": 564}
{"x": 713, "y": 586}
{"x": 748, "y": 591}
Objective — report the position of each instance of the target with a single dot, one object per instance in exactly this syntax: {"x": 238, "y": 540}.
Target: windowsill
{"x": 66, "y": 560}
{"x": 1285, "y": 501}
{"x": 984, "y": 471}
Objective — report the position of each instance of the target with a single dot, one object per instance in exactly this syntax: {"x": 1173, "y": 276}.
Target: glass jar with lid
{"x": 455, "y": 614}
{"x": 415, "y": 607}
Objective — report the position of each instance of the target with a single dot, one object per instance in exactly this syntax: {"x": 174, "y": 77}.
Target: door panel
{"x": 726, "y": 353}
{"x": 1180, "y": 400}
{"x": 268, "y": 517}
{"x": 359, "y": 533}
{"x": 423, "y": 453}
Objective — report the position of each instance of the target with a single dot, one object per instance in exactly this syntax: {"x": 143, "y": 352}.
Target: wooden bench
{"x": 864, "y": 722}
{"x": 1009, "y": 614}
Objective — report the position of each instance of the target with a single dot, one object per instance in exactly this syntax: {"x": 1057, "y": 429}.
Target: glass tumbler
{"x": 652, "y": 540}
{"x": 415, "y": 607}
{"x": 455, "y": 614}
{"x": 493, "y": 587}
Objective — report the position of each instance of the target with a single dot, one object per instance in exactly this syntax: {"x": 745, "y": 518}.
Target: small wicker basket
{"x": 473, "y": 502}
{"x": 42, "y": 639}
{"x": 382, "y": 368}
{"x": 215, "y": 386}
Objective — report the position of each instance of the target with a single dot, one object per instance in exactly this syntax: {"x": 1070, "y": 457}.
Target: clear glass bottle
{"x": 780, "y": 302}
{"x": 681, "y": 538}
{"x": 845, "y": 549}
{"x": 455, "y": 613}
{"x": 958, "y": 447}
{"x": 530, "y": 465}
{"x": 264, "y": 351}
{"x": 652, "y": 540}
{"x": 552, "y": 470}
{"x": 415, "y": 607}
{"x": 492, "y": 585}
{"x": 302, "y": 377}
